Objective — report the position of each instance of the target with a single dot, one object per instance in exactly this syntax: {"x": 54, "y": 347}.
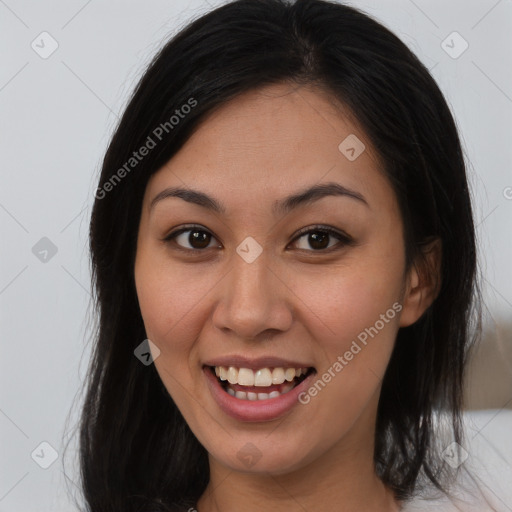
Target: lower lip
{"x": 254, "y": 410}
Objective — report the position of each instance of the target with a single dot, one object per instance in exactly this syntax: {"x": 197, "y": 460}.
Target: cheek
{"x": 353, "y": 314}
{"x": 169, "y": 296}
{"x": 344, "y": 302}
{"x": 170, "y": 301}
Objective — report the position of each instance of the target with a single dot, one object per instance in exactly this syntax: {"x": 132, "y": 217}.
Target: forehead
{"x": 270, "y": 141}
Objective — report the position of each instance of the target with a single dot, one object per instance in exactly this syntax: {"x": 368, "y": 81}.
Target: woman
{"x": 283, "y": 255}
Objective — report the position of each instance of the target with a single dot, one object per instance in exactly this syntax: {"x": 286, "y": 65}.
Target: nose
{"x": 254, "y": 299}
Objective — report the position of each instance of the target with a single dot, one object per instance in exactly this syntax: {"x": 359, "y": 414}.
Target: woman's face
{"x": 257, "y": 283}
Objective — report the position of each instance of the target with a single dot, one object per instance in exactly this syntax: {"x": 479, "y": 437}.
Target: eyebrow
{"x": 306, "y": 196}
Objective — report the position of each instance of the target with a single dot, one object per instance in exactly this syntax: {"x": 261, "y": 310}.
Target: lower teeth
{"x": 242, "y": 395}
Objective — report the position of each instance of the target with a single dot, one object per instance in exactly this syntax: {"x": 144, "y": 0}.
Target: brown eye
{"x": 320, "y": 239}
{"x": 199, "y": 239}
{"x": 191, "y": 238}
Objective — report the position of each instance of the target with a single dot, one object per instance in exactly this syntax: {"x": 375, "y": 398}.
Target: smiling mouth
{"x": 262, "y": 384}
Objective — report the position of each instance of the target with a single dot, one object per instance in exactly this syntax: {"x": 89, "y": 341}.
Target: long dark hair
{"x": 136, "y": 450}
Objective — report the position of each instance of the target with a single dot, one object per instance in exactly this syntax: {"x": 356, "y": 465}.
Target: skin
{"x": 294, "y": 301}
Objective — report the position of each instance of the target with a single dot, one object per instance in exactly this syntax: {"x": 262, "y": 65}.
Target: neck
{"x": 341, "y": 480}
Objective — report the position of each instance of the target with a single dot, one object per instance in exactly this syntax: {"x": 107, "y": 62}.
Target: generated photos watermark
{"x": 343, "y": 360}
{"x": 156, "y": 136}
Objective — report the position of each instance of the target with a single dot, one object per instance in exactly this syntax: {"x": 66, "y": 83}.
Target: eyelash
{"x": 343, "y": 238}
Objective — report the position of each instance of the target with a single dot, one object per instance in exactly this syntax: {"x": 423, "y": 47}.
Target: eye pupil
{"x": 318, "y": 238}
{"x": 199, "y": 237}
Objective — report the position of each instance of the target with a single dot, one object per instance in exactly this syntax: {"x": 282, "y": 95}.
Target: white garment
{"x": 485, "y": 479}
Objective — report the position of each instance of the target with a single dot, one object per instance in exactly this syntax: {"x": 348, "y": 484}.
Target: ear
{"x": 423, "y": 282}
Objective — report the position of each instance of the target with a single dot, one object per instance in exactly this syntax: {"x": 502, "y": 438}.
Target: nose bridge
{"x": 249, "y": 279}
{"x": 252, "y": 299}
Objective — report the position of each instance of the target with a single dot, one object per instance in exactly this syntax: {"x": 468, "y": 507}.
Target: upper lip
{"x": 238, "y": 361}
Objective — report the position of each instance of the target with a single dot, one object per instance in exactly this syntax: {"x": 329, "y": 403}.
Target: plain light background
{"x": 57, "y": 114}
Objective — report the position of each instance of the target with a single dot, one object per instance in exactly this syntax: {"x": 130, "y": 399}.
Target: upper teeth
{"x": 261, "y": 377}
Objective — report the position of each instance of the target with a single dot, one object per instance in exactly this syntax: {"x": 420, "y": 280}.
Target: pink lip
{"x": 258, "y": 410}
{"x": 256, "y": 363}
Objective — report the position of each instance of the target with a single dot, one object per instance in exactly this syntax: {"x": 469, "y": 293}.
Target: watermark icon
{"x": 44, "y": 455}
{"x": 351, "y": 147}
{"x": 249, "y": 249}
{"x": 454, "y": 45}
{"x": 147, "y": 352}
{"x": 249, "y": 455}
{"x": 156, "y": 136}
{"x": 44, "y": 45}
{"x": 455, "y": 455}
{"x": 44, "y": 250}
{"x": 343, "y": 360}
